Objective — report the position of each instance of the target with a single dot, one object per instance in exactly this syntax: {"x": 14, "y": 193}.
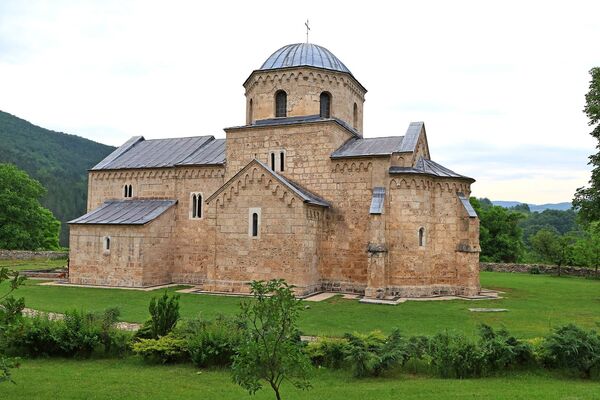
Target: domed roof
{"x": 304, "y": 54}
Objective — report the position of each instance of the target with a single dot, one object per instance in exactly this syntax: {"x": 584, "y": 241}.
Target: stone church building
{"x": 296, "y": 193}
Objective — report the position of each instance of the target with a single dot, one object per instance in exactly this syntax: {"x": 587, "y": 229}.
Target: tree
{"x": 587, "y": 199}
{"x": 10, "y": 309}
{"x": 271, "y": 350}
{"x": 552, "y": 247}
{"x": 586, "y": 250}
{"x": 24, "y": 223}
{"x": 500, "y": 237}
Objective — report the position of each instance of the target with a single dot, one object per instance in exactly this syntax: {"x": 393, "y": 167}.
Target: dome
{"x": 302, "y": 55}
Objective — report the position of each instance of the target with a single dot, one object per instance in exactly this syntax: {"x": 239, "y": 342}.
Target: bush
{"x": 166, "y": 349}
{"x": 500, "y": 350}
{"x": 534, "y": 271}
{"x": 570, "y": 347}
{"x": 164, "y": 315}
{"x": 326, "y": 352}
{"x": 373, "y": 354}
{"x": 213, "y": 343}
{"x": 454, "y": 356}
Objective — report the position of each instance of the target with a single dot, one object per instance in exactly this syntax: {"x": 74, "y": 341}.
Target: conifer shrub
{"x": 572, "y": 348}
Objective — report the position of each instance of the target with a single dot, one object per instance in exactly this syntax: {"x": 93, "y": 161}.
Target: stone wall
{"x": 32, "y": 255}
{"x": 526, "y": 268}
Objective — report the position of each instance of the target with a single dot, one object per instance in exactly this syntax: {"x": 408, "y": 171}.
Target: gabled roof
{"x": 156, "y": 153}
{"x": 304, "y": 194}
{"x": 125, "y": 212}
{"x": 428, "y": 167}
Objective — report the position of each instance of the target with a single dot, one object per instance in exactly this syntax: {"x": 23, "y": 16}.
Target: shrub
{"x": 534, "y": 271}
{"x": 166, "y": 349}
{"x": 571, "y": 347}
{"x": 327, "y": 352}
{"x": 213, "y": 343}
{"x": 500, "y": 350}
{"x": 373, "y": 354}
{"x": 164, "y": 314}
{"x": 454, "y": 356}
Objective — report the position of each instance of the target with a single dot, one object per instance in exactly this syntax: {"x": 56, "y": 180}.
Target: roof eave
{"x": 329, "y": 120}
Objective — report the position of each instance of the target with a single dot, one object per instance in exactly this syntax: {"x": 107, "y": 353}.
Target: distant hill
{"x": 534, "y": 207}
{"x": 58, "y": 160}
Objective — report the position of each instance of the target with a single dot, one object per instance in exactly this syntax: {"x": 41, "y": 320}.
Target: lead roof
{"x": 125, "y": 212}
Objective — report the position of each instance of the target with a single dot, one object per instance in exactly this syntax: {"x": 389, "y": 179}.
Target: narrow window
{"x": 280, "y": 104}
{"x": 125, "y": 191}
{"x": 130, "y": 193}
{"x": 194, "y": 205}
{"x": 106, "y": 243}
{"x": 250, "y": 112}
{"x": 199, "y": 206}
{"x": 273, "y": 161}
{"x": 282, "y": 161}
{"x": 325, "y": 105}
{"x": 355, "y": 117}
{"x": 421, "y": 237}
{"x": 254, "y": 224}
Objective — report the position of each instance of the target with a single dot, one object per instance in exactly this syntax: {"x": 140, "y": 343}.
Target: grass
{"x": 20, "y": 265}
{"x": 536, "y": 303}
{"x": 131, "y": 379}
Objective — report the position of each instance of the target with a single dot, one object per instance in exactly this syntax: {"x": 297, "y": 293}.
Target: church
{"x": 295, "y": 193}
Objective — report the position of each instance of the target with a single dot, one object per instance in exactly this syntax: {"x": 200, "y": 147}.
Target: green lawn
{"x": 20, "y": 265}
{"x": 535, "y": 303}
{"x": 131, "y": 379}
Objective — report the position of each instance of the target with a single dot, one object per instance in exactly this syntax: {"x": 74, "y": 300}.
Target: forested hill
{"x": 58, "y": 160}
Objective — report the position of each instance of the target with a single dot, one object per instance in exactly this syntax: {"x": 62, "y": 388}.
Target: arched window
{"x": 254, "y": 222}
{"x": 130, "y": 191}
{"x": 106, "y": 243}
{"x": 272, "y": 161}
{"x": 196, "y": 205}
{"x": 325, "y": 105}
{"x": 281, "y": 161}
{"x": 280, "y": 104}
{"x": 250, "y": 112}
{"x": 421, "y": 237}
{"x": 127, "y": 191}
{"x": 355, "y": 117}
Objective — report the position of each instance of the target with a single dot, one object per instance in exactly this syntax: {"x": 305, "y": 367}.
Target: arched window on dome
{"x": 280, "y": 104}
{"x": 325, "y": 105}
{"x": 355, "y": 117}
{"x": 250, "y": 111}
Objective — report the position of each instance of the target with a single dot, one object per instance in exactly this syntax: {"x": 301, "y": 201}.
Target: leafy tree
{"x": 586, "y": 250}
{"x": 587, "y": 199}
{"x": 24, "y": 223}
{"x": 10, "y": 309}
{"x": 523, "y": 207}
{"x": 559, "y": 220}
{"x": 500, "y": 237}
{"x": 553, "y": 247}
{"x": 271, "y": 350}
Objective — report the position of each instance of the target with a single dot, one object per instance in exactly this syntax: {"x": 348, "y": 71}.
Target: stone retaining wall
{"x": 526, "y": 268}
{"x": 32, "y": 255}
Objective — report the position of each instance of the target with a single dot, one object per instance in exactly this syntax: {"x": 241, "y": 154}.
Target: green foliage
{"x": 271, "y": 349}
{"x": 373, "y": 354}
{"x": 454, "y": 356}
{"x": 10, "y": 312}
{"x": 213, "y": 343}
{"x": 164, "y": 314}
{"x": 500, "y": 350}
{"x": 500, "y": 237}
{"x": 165, "y": 349}
{"x": 587, "y": 199}
{"x": 553, "y": 248}
{"x": 571, "y": 347}
{"x": 328, "y": 352}
{"x": 24, "y": 223}
{"x": 57, "y": 160}
{"x": 560, "y": 221}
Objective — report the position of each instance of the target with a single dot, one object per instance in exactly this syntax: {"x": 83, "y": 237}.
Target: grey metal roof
{"x": 411, "y": 137}
{"x": 467, "y": 205}
{"x": 140, "y": 153}
{"x": 304, "y": 54}
{"x": 427, "y": 167}
{"x": 381, "y": 146}
{"x": 377, "y": 200}
{"x": 306, "y": 195}
{"x": 125, "y": 212}
{"x": 301, "y": 119}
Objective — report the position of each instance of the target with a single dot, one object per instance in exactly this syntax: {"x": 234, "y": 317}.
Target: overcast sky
{"x": 499, "y": 85}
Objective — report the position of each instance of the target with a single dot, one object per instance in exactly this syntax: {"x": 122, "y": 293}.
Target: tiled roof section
{"x": 304, "y": 54}
{"x": 411, "y": 137}
{"x": 302, "y": 119}
{"x": 156, "y": 153}
{"x": 377, "y": 200}
{"x": 427, "y": 167}
{"x": 467, "y": 205}
{"x": 382, "y": 146}
{"x": 125, "y": 212}
{"x": 211, "y": 153}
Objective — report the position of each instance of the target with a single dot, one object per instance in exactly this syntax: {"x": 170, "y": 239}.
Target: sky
{"x": 500, "y": 85}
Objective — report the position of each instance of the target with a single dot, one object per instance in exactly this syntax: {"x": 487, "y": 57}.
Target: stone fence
{"x": 32, "y": 255}
{"x": 527, "y": 268}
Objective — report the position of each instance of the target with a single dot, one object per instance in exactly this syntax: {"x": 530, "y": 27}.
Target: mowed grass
{"x": 20, "y": 265}
{"x": 536, "y": 303}
{"x": 131, "y": 379}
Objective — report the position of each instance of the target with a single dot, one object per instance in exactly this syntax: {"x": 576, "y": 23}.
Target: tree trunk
{"x": 276, "y": 390}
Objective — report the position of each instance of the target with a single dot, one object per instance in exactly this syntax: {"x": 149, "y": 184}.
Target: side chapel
{"x": 296, "y": 193}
